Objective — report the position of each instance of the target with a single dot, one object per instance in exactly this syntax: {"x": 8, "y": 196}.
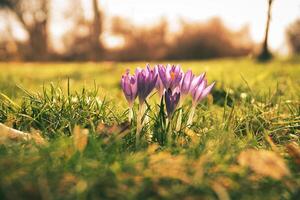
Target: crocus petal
{"x": 137, "y": 71}
{"x": 133, "y": 84}
{"x": 200, "y": 89}
{"x": 168, "y": 72}
{"x": 171, "y": 100}
{"x": 168, "y": 100}
{"x": 171, "y": 76}
{"x": 196, "y": 81}
{"x": 163, "y": 75}
{"x": 153, "y": 82}
{"x": 146, "y": 81}
{"x": 179, "y": 74}
{"x": 186, "y": 82}
{"x": 129, "y": 87}
{"x": 207, "y": 90}
{"x": 159, "y": 85}
{"x": 176, "y": 100}
{"x": 123, "y": 82}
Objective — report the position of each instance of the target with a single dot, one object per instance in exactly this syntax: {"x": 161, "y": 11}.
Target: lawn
{"x": 243, "y": 144}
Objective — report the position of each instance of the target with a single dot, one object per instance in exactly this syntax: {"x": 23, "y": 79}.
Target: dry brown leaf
{"x": 80, "y": 138}
{"x": 221, "y": 191}
{"x": 10, "y": 134}
{"x": 106, "y": 131}
{"x": 163, "y": 164}
{"x": 263, "y": 162}
{"x": 294, "y": 151}
{"x": 112, "y": 129}
{"x": 36, "y": 136}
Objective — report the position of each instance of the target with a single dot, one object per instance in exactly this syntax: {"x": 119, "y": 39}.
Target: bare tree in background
{"x": 265, "y": 53}
{"x": 211, "y": 39}
{"x": 97, "y": 48}
{"x": 76, "y": 39}
{"x": 140, "y": 43}
{"x": 293, "y": 36}
{"x": 33, "y": 15}
{"x": 82, "y": 40}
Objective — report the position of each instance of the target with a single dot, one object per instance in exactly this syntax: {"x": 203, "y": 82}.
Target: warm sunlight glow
{"x": 235, "y": 13}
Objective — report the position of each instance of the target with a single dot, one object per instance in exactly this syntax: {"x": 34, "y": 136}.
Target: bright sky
{"x": 234, "y": 13}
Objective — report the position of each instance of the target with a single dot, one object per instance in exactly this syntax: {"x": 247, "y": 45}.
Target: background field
{"x": 254, "y": 105}
{"x": 229, "y": 74}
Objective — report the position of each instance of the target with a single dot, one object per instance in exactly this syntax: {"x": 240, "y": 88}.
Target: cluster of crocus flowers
{"x": 171, "y": 83}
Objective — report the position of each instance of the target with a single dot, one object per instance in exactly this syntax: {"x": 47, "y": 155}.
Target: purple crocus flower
{"x": 170, "y": 76}
{"x": 196, "y": 82}
{"x": 146, "y": 81}
{"x": 187, "y": 82}
{"x": 129, "y": 87}
{"x": 159, "y": 85}
{"x": 172, "y": 99}
{"x": 201, "y": 91}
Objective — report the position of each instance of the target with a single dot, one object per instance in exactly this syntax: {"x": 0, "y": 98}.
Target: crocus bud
{"x": 172, "y": 99}
{"x": 129, "y": 87}
{"x": 146, "y": 80}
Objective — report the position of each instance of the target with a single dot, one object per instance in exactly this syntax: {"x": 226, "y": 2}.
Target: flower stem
{"x": 191, "y": 116}
{"x": 130, "y": 114}
{"x": 169, "y": 132}
{"x": 139, "y": 124}
{"x": 179, "y": 119}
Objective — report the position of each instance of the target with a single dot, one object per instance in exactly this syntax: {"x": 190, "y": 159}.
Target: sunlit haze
{"x": 234, "y": 13}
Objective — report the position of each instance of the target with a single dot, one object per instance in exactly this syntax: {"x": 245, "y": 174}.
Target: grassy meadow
{"x": 243, "y": 144}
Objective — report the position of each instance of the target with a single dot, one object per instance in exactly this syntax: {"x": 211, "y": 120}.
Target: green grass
{"x": 253, "y": 105}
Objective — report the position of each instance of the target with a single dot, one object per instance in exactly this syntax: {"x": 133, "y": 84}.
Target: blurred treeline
{"x": 84, "y": 39}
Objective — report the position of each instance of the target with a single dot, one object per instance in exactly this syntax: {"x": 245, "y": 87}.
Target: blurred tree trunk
{"x": 37, "y": 45}
{"x": 265, "y": 53}
{"x": 36, "y": 48}
{"x": 97, "y": 48}
{"x": 38, "y": 41}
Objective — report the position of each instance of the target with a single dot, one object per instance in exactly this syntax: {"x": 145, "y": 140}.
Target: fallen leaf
{"x": 263, "y": 162}
{"x": 10, "y": 134}
{"x": 294, "y": 151}
{"x": 108, "y": 130}
{"x": 163, "y": 164}
{"x": 36, "y": 136}
{"x": 221, "y": 191}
